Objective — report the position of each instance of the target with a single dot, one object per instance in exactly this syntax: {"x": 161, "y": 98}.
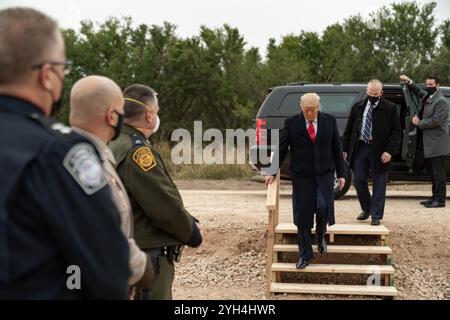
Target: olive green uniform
{"x": 161, "y": 223}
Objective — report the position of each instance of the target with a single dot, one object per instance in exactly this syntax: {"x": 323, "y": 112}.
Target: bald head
{"x": 374, "y": 88}
{"x": 91, "y": 97}
{"x": 96, "y": 104}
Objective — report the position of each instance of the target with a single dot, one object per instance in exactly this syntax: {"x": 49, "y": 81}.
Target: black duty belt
{"x": 173, "y": 253}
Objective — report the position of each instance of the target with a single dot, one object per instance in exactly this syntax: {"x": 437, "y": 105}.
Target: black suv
{"x": 337, "y": 99}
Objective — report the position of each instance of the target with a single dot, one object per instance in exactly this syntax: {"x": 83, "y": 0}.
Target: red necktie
{"x": 312, "y": 131}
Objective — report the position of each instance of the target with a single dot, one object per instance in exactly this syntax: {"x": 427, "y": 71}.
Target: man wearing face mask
{"x": 60, "y": 235}
{"x": 162, "y": 224}
{"x": 432, "y": 136}
{"x": 96, "y": 112}
{"x": 371, "y": 137}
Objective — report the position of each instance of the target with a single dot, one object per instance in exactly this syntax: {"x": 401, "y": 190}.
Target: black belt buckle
{"x": 370, "y": 141}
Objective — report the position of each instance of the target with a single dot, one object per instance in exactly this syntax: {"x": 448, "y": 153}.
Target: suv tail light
{"x": 261, "y": 132}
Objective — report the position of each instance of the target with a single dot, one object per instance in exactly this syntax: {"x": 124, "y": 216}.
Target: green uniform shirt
{"x": 160, "y": 218}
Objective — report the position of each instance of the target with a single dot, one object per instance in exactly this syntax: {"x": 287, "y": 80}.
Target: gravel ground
{"x": 231, "y": 262}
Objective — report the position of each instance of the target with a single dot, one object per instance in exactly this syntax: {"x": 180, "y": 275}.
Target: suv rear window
{"x": 336, "y": 103}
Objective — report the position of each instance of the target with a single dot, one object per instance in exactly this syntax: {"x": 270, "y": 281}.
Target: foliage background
{"x": 216, "y": 78}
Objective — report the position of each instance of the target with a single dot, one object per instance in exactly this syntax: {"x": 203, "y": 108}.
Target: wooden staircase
{"x": 345, "y": 242}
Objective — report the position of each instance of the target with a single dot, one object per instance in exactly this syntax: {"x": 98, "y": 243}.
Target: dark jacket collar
{"x": 129, "y": 130}
{"x": 436, "y": 96}
{"x": 18, "y": 105}
{"x": 320, "y": 128}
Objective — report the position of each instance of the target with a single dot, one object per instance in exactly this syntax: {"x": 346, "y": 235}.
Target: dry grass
{"x": 203, "y": 171}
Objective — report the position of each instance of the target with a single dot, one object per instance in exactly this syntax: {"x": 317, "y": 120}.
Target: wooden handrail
{"x": 273, "y": 208}
{"x": 272, "y": 193}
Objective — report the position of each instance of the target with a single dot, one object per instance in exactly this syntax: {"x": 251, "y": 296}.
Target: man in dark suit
{"x": 370, "y": 139}
{"x": 433, "y": 139}
{"x": 316, "y": 153}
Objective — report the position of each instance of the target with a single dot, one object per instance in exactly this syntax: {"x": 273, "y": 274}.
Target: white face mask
{"x": 158, "y": 122}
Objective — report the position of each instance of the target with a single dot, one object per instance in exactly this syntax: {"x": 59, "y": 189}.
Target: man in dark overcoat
{"x": 316, "y": 154}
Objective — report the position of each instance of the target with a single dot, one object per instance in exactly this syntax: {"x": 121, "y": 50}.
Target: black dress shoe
{"x": 322, "y": 247}
{"x": 375, "y": 222}
{"x": 424, "y": 203}
{"x": 435, "y": 204}
{"x": 302, "y": 263}
{"x": 363, "y": 216}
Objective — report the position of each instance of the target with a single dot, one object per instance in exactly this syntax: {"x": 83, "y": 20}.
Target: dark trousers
{"x": 363, "y": 161}
{"x": 304, "y": 234}
{"x": 436, "y": 170}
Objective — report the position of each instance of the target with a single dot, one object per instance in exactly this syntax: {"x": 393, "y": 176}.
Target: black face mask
{"x": 118, "y": 127}
{"x": 374, "y": 99}
{"x": 431, "y": 90}
{"x": 57, "y": 104}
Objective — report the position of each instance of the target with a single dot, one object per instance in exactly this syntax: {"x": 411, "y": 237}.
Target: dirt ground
{"x": 231, "y": 262}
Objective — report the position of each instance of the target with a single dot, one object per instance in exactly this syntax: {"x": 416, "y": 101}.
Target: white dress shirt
{"x": 315, "y": 124}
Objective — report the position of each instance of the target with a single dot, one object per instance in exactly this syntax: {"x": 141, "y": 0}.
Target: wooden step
{"x": 333, "y": 289}
{"x": 335, "y": 268}
{"x": 348, "y": 229}
{"x": 338, "y": 249}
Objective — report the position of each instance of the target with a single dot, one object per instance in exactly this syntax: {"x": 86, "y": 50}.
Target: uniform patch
{"x": 61, "y": 128}
{"x": 144, "y": 158}
{"x": 83, "y": 164}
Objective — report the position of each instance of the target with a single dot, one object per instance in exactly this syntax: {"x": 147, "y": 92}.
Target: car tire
{"x": 348, "y": 182}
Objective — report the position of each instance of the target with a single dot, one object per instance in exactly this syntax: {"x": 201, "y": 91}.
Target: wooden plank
{"x": 273, "y": 193}
{"x": 349, "y": 229}
{"x": 333, "y": 289}
{"x": 270, "y": 244}
{"x": 334, "y": 268}
{"x": 338, "y": 249}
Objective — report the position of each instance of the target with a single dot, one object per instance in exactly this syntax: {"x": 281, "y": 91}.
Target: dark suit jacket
{"x": 312, "y": 164}
{"x": 386, "y": 132}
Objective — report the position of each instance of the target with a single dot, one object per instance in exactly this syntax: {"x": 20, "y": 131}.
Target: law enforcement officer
{"x": 96, "y": 112}
{"x": 162, "y": 224}
{"x": 60, "y": 235}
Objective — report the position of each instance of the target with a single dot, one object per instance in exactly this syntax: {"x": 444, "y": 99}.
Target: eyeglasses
{"x": 67, "y": 65}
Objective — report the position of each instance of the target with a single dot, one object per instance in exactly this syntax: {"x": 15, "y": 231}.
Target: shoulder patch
{"x": 136, "y": 140}
{"x": 61, "y": 128}
{"x": 84, "y": 166}
{"x": 144, "y": 158}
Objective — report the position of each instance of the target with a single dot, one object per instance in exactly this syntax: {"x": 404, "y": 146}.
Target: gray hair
{"x": 137, "y": 98}
{"x": 26, "y": 35}
{"x": 375, "y": 82}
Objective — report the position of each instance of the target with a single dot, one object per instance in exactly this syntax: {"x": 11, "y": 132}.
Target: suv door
{"x": 409, "y": 143}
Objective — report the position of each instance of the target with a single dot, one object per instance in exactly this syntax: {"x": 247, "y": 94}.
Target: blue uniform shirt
{"x": 56, "y": 212}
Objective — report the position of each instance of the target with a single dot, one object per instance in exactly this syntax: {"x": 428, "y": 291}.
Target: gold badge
{"x": 144, "y": 158}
